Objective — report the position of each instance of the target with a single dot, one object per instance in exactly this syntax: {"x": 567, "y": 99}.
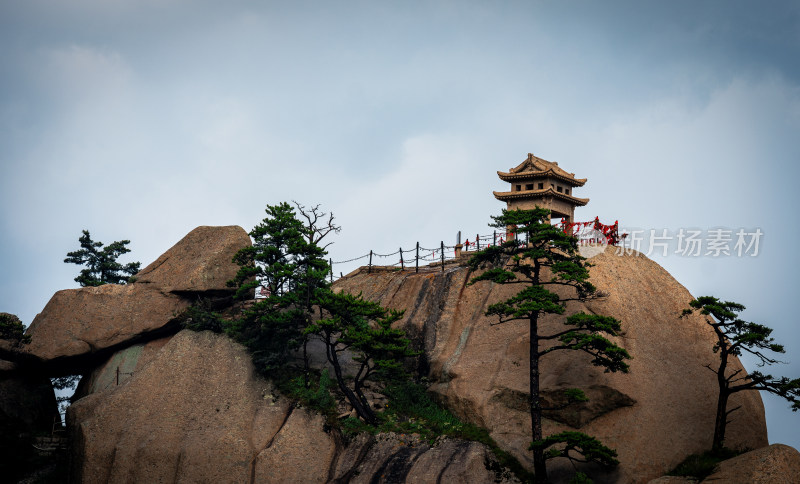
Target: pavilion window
{"x": 519, "y": 187}
{"x": 541, "y": 186}
{"x": 558, "y": 189}
{"x": 529, "y": 186}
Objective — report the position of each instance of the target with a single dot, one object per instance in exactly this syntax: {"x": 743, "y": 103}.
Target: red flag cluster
{"x": 610, "y": 232}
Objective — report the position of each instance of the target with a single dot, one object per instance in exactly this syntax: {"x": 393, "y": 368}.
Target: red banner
{"x": 598, "y": 233}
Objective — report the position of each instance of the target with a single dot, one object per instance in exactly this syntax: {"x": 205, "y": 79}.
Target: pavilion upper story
{"x": 538, "y": 182}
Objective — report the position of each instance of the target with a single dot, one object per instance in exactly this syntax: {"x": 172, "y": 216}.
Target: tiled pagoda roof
{"x": 534, "y": 167}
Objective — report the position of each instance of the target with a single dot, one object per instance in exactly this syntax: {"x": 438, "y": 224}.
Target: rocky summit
{"x": 80, "y": 322}
{"x": 161, "y": 404}
{"x": 654, "y": 416}
{"x": 200, "y": 264}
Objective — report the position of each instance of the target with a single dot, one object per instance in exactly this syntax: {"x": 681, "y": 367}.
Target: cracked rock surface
{"x": 654, "y": 416}
{"x": 196, "y": 411}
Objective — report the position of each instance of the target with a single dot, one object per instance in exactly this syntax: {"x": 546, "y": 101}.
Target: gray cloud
{"x": 142, "y": 120}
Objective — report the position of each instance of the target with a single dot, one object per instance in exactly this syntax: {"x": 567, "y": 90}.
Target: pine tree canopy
{"x": 101, "y": 262}
{"x": 736, "y": 336}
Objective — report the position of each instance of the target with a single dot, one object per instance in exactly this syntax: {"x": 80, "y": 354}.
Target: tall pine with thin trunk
{"x": 735, "y": 337}
{"x": 550, "y": 259}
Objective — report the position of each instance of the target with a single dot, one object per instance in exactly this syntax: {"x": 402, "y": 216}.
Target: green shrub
{"x": 317, "y": 395}
{"x": 580, "y": 478}
{"x": 352, "y": 426}
{"x": 412, "y": 410}
{"x": 199, "y": 317}
{"x": 11, "y": 328}
{"x": 703, "y": 465}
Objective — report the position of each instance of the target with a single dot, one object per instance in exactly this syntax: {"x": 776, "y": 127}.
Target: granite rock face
{"x": 78, "y": 322}
{"x": 391, "y": 458}
{"x": 655, "y": 416}
{"x": 83, "y": 321}
{"x": 119, "y": 367}
{"x": 776, "y": 464}
{"x": 195, "y": 411}
{"x": 199, "y": 263}
{"x": 154, "y": 407}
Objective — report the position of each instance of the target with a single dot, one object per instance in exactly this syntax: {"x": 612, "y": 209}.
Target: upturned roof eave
{"x": 532, "y": 175}
{"x": 505, "y": 196}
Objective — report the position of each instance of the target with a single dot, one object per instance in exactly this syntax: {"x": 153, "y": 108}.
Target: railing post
{"x": 458, "y": 238}
{"x": 331, "y": 263}
{"x": 416, "y": 269}
{"x": 478, "y": 241}
{"x": 369, "y": 269}
{"x": 443, "y": 256}
{"x": 402, "y": 265}
{"x": 494, "y": 238}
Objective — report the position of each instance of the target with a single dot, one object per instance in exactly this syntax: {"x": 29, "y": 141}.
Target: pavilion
{"x": 540, "y": 183}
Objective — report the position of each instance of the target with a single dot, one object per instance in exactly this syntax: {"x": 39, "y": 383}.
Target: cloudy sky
{"x": 142, "y": 120}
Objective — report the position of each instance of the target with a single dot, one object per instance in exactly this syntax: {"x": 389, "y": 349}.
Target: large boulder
{"x": 83, "y": 321}
{"x": 197, "y": 412}
{"x": 776, "y": 464}
{"x": 194, "y": 410}
{"x": 655, "y": 416}
{"x": 201, "y": 262}
{"x": 80, "y": 322}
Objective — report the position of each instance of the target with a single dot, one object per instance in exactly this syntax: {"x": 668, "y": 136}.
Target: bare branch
{"x": 504, "y": 321}
{"x": 556, "y": 335}
{"x": 728, "y": 412}
{"x": 317, "y": 228}
{"x": 729, "y": 379}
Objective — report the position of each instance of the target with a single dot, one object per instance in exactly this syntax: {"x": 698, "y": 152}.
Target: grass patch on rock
{"x": 703, "y": 465}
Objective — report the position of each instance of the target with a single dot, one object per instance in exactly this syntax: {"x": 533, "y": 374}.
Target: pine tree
{"x": 102, "y": 266}
{"x": 12, "y": 329}
{"x": 549, "y": 259}
{"x": 279, "y": 261}
{"x": 287, "y": 260}
{"x": 735, "y": 336}
{"x": 312, "y": 264}
{"x": 364, "y": 328}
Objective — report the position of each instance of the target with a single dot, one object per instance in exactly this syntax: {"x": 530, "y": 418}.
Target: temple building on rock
{"x": 537, "y": 182}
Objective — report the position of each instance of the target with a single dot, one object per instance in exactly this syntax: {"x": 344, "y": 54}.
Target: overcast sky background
{"x": 142, "y": 120}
